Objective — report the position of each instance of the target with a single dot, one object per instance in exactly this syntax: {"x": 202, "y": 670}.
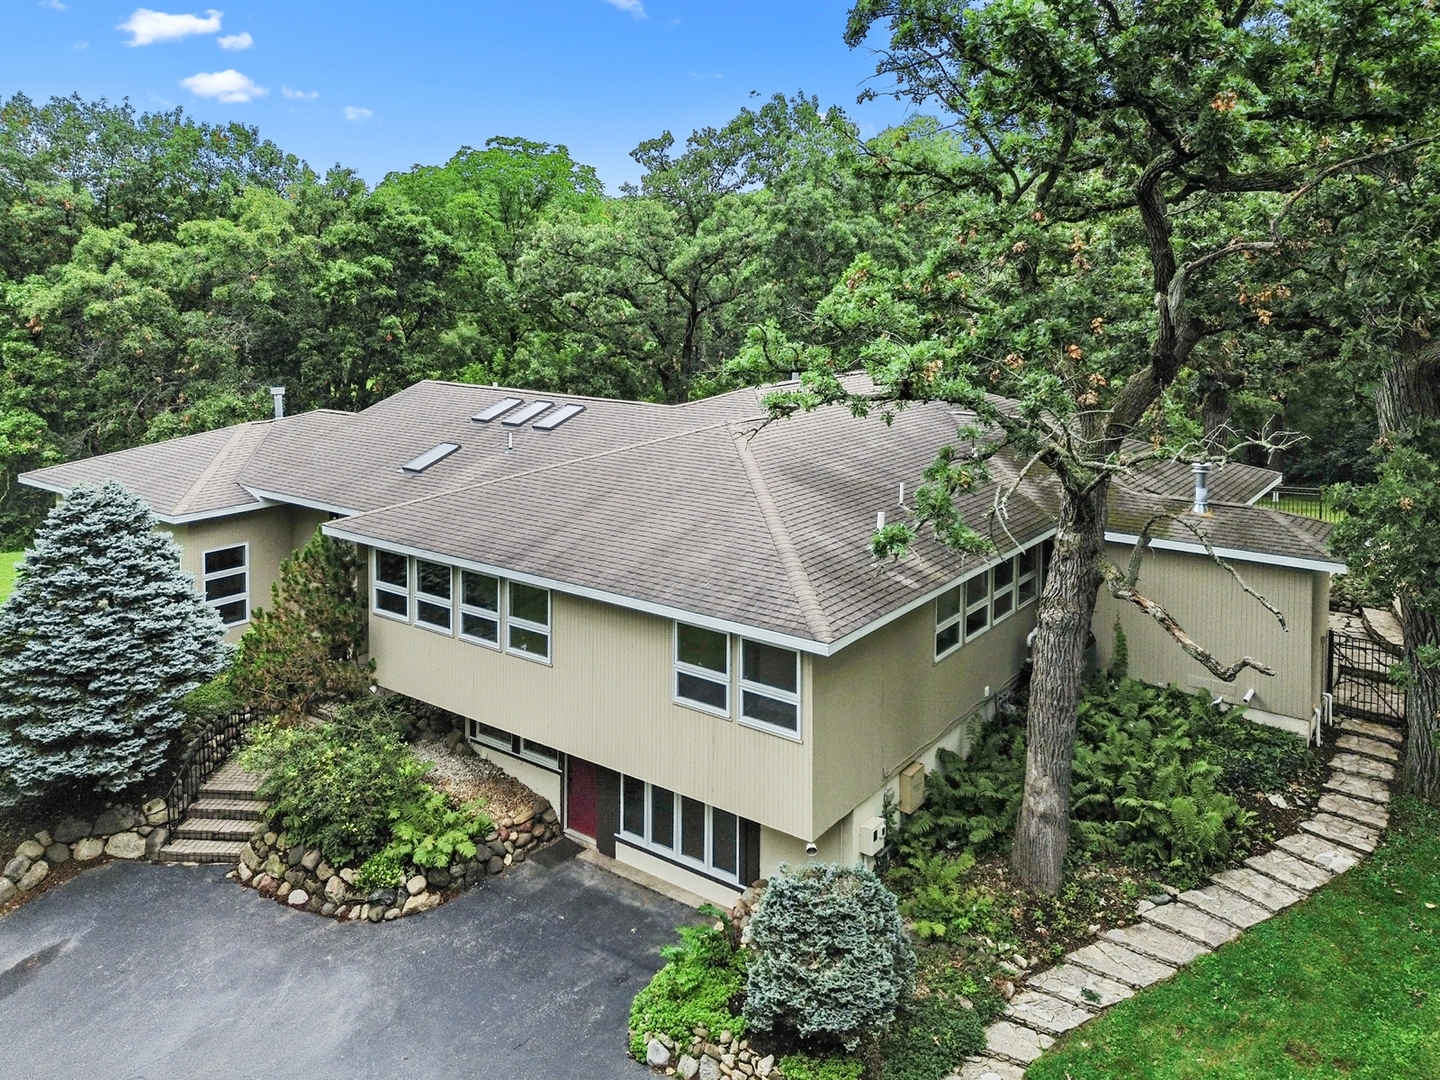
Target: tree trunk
{"x": 1409, "y": 388}
{"x": 1067, "y": 605}
{"x": 1422, "y": 709}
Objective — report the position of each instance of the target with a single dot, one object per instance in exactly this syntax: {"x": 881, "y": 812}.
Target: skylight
{"x": 529, "y": 412}
{"x": 500, "y": 408}
{"x": 558, "y": 417}
{"x": 430, "y": 457}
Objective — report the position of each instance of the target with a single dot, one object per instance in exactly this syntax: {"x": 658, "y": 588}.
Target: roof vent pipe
{"x": 277, "y": 395}
{"x": 1201, "y": 469}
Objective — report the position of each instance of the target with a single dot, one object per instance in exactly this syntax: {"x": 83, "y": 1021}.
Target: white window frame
{"x": 773, "y": 692}
{"x": 515, "y": 745}
{"x": 967, "y": 609}
{"x": 494, "y": 616}
{"x": 378, "y": 586}
{"x": 1007, "y": 590}
{"x": 673, "y": 854}
{"x": 958, "y": 619}
{"x": 696, "y": 671}
{"x": 1036, "y": 575}
{"x": 525, "y": 624}
{"x": 226, "y": 601}
{"x": 448, "y": 603}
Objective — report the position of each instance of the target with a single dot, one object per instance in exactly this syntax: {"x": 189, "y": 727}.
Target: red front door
{"x": 582, "y": 797}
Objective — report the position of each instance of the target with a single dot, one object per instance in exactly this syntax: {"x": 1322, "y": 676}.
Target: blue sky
{"x": 380, "y": 85}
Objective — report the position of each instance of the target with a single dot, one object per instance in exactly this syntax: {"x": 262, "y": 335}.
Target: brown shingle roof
{"x": 699, "y": 508}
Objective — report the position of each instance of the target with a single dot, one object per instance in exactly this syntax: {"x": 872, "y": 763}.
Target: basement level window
{"x": 430, "y": 457}
{"x": 680, "y": 829}
{"x": 499, "y": 409}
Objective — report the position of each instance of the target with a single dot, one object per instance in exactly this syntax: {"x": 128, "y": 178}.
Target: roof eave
{"x": 1291, "y": 562}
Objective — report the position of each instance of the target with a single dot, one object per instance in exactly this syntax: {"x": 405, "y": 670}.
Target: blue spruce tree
{"x": 102, "y": 637}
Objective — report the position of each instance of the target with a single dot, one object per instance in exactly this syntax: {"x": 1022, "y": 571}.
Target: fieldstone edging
{"x": 1353, "y": 812}
{"x": 300, "y": 878}
{"x": 121, "y": 832}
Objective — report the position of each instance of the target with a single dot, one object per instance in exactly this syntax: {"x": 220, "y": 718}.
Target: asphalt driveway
{"x": 140, "y": 972}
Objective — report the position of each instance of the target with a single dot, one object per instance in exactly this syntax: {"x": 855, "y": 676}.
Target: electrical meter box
{"x": 912, "y": 787}
{"x": 872, "y": 836}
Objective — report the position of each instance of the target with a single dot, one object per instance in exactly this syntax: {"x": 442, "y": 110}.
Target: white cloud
{"x": 235, "y": 41}
{"x": 634, "y": 7}
{"x": 54, "y": 5}
{"x": 229, "y": 86}
{"x": 356, "y": 113}
{"x": 299, "y": 95}
{"x": 711, "y": 75}
{"x": 81, "y": 45}
{"x": 147, "y": 27}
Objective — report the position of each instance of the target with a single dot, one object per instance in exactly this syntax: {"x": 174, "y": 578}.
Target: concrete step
{"x": 1367, "y": 747}
{"x": 202, "y": 851}
{"x": 1371, "y": 730}
{"x": 233, "y": 809}
{"x": 232, "y": 782}
{"x": 216, "y": 829}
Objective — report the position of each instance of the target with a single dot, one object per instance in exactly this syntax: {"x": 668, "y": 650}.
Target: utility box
{"x": 912, "y": 787}
{"x": 872, "y": 836}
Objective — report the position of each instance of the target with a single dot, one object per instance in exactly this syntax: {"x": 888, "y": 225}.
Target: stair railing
{"x": 203, "y": 754}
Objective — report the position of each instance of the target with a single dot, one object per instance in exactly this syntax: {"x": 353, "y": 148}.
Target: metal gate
{"x": 1358, "y": 675}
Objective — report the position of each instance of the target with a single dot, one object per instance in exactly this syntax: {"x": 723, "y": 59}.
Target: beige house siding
{"x": 606, "y": 697}
{"x": 1218, "y": 614}
{"x": 883, "y": 700}
{"x": 272, "y": 534}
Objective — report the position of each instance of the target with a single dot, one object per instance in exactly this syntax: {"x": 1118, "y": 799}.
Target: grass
{"x": 1345, "y": 985}
{"x": 8, "y": 559}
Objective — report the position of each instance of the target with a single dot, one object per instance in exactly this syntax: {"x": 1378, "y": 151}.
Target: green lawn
{"x": 1345, "y": 985}
{"x": 8, "y": 559}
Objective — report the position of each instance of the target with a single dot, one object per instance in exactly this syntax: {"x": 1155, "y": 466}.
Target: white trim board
{"x": 1237, "y": 554}
{"x": 168, "y": 519}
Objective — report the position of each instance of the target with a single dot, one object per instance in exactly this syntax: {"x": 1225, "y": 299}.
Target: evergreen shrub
{"x": 930, "y": 1040}
{"x": 832, "y": 1067}
{"x": 700, "y": 986}
{"x": 101, "y": 639}
{"x": 831, "y": 960}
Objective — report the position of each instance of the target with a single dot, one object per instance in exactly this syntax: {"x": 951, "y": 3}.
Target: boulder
{"x": 44, "y": 839}
{"x": 316, "y": 904}
{"x": 91, "y": 847}
{"x": 324, "y": 872}
{"x": 155, "y": 841}
{"x": 709, "y": 1068}
{"x": 37, "y": 873}
{"x": 8, "y": 891}
{"x": 265, "y": 885}
{"x": 297, "y": 898}
{"x": 274, "y": 866}
{"x": 56, "y": 854}
{"x": 295, "y": 876}
{"x": 765, "y": 1066}
{"x": 16, "y": 867}
{"x": 416, "y": 885}
{"x": 687, "y": 1067}
{"x": 348, "y": 876}
{"x": 295, "y": 854}
{"x": 155, "y": 812}
{"x": 245, "y": 874}
{"x": 31, "y": 850}
{"x": 474, "y": 874}
{"x": 393, "y": 914}
{"x": 249, "y": 857}
{"x": 327, "y": 909}
{"x": 383, "y": 897}
{"x": 495, "y": 865}
{"x": 524, "y": 815}
{"x": 71, "y": 829}
{"x": 657, "y": 1056}
{"x": 335, "y": 889}
{"x": 126, "y": 845}
{"x": 437, "y": 877}
{"x": 549, "y": 817}
{"x": 376, "y": 913}
{"x": 414, "y": 903}
{"x": 117, "y": 819}
{"x": 311, "y": 859}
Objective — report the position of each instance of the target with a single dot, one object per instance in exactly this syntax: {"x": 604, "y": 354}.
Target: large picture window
{"x": 528, "y": 621}
{"x": 770, "y": 687}
{"x": 702, "y": 669}
{"x": 227, "y": 583}
{"x": 432, "y": 595}
{"x": 680, "y": 828}
{"x": 480, "y": 608}
{"x": 392, "y": 584}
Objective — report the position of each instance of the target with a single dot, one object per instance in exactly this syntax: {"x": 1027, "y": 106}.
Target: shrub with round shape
{"x": 832, "y": 961}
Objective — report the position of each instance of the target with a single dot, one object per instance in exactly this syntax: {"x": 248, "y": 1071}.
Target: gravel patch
{"x": 464, "y": 776}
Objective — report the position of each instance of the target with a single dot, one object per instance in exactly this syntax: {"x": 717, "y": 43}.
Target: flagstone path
{"x": 1353, "y": 810}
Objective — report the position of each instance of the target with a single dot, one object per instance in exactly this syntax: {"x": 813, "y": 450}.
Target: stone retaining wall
{"x": 121, "y": 832}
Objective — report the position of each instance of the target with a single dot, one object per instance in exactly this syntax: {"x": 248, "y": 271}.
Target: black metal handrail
{"x": 1304, "y": 501}
{"x": 204, "y": 753}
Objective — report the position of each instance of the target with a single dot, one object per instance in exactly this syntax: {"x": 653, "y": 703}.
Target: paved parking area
{"x": 140, "y": 972}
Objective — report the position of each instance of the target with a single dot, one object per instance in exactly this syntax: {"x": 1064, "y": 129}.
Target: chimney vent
{"x": 1201, "y": 470}
{"x": 277, "y": 394}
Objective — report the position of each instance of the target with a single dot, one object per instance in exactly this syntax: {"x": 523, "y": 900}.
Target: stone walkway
{"x": 1353, "y": 811}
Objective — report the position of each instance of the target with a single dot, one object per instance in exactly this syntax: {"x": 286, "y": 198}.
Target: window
{"x": 977, "y": 604}
{"x": 227, "y": 583}
{"x": 947, "y": 621}
{"x": 480, "y": 609}
{"x": 432, "y": 595}
{"x": 1027, "y": 580}
{"x": 528, "y": 749}
{"x": 529, "y": 621}
{"x": 680, "y": 828}
{"x": 702, "y": 668}
{"x": 770, "y": 687}
{"x": 1002, "y": 590}
{"x": 392, "y": 584}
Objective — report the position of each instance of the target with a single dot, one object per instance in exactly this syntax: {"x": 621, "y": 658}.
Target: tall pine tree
{"x": 102, "y": 637}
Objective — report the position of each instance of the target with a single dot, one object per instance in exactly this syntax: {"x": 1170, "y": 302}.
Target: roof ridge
{"x": 1298, "y": 533}
{"x": 816, "y": 620}
{"x": 221, "y": 456}
{"x": 477, "y": 484}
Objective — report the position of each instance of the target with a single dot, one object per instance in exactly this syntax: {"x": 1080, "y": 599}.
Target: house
{"x": 668, "y": 620}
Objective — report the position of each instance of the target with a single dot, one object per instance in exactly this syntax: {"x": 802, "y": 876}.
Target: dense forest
{"x": 159, "y": 274}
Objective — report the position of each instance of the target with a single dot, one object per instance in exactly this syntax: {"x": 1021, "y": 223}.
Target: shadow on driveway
{"x": 139, "y": 972}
